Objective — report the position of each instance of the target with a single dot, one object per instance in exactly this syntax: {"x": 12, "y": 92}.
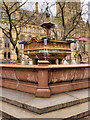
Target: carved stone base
{"x": 43, "y": 92}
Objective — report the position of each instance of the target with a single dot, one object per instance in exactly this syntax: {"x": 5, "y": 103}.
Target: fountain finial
{"x": 47, "y": 11}
{"x": 48, "y": 25}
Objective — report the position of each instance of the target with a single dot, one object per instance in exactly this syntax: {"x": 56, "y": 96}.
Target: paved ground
{"x": 20, "y": 105}
{"x": 31, "y": 100}
{"x": 62, "y": 113}
{"x": 0, "y": 117}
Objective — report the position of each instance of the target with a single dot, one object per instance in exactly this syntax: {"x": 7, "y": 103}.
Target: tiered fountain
{"x": 47, "y": 48}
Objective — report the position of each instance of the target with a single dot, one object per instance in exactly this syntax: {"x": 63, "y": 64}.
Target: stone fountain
{"x": 47, "y": 48}
{"x": 44, "y": 80}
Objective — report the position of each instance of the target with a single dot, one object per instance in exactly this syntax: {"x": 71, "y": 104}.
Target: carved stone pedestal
{"x": 43, "y": 88}
{"x": 43, "y": 92}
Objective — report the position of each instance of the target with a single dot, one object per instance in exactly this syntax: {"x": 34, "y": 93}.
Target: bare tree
{"x": 68, "y": 17}
{"x": 14, "y": 23}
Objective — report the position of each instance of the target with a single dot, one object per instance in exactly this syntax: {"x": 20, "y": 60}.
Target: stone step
{"x": 0, "y": 117}
{"x": 0, "y": 112}
{"x": 43, "y": 105}
{"x": 77, "y": 111}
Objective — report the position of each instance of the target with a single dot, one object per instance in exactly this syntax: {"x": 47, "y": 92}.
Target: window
{"x": 23, "y": 56}
{"x": 13, "y": 16}
{"x": 84, "y": 46}
{"x": 22, "y": 46}
{"x": 61, "y": 33}
{"x": 79, "y": 45}
{"x": 58, "y": 33}
{"x": 1, "y": 8}
{"x": 21, "y": 38}
{"x": 0, "y": 24}
{"x": 51, "y": 32}
{"x": 5, "y": 14}
{"x": 75, "y": 46}
{"x": 21, "y": 28}
{"x": 29, "y": 29}
{"x": 43, "y": 31}
{"x": 5, "y": 25}
{"x": 29, "y": 38}
{"x": 25, "y": 19}
{"x": 70, "y": 57}
{"x": 20, "y": 54}
{"x": 8, "y": 25}
{"x": 25, "y": 29}
{"x": 13, "y": 28}
{"x": 5, "y": 42}
{"x": 37, "y": 30}
{"x": 1, "y": 13}
{"x": 83, "y": 34}
{"x": 79, "y": 34}
{"x": 33, "y": 30}
{"x": 8, "y": 43}
{"x": 4, "y": 55}
{"x": 8, "y": 55}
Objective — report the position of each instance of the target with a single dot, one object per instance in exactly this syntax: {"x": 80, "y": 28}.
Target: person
{"x": 9, "y": 62}
{"x": 65, "y": 62}
{"x": 73, "y": 62}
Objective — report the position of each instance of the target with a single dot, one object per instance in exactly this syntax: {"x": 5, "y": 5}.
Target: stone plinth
{"x": 43, "y": 88}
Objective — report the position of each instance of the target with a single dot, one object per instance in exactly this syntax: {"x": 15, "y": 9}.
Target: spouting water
{"x": 47, "y": 25}
{"x": 45, "y": 49}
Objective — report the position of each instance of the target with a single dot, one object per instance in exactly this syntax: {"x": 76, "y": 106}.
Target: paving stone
{"x": 0, "y": 117}
{"x": 84, "y": 93}
{"x": 1, "y": 113}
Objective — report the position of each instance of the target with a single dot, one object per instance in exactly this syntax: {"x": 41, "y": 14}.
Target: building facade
{"x": 27, "y": 31}
{"x": 33, "y": 29}
{"x": 79, "y": 49}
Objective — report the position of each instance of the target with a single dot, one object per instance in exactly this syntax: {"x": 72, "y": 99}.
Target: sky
{"x": 42, "y": 5}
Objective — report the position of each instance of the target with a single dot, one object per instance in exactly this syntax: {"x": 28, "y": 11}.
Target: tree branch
{"x": 13, "y": 6}
{"x": 74, "y": 26}
{"x": 18, "y": 7}
{"x": 4, "y": 30}
{"x": 62, "y": 15}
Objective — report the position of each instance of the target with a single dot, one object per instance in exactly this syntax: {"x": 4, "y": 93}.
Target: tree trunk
{"x": 18, "y": 55}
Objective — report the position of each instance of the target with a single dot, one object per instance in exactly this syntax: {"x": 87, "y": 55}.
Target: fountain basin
{"x": 48, "y": 25}
{"x": 44, "y": 81}
{"x": 55, "y": 49}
